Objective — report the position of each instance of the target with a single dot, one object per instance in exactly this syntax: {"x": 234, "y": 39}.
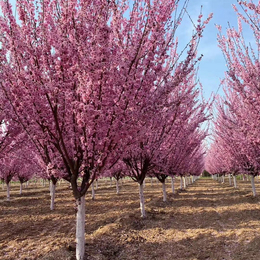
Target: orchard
{"x": 105, "y": 132}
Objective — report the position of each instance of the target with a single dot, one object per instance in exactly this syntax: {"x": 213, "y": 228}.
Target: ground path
{"x": 207, "y": 221}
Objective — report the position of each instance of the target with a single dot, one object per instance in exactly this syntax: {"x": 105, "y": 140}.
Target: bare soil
{"x": 208, "y": 221}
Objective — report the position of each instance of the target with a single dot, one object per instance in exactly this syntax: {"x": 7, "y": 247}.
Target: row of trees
{"x": 96, "y": 87}
{"x": 236, "y": 145}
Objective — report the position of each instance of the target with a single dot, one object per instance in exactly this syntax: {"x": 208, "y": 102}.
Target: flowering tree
{"x": 116, "y": 170}
{"x": 232, "y": 151}
{"x": 236, "y": 147}
{"x": 26, "y": 162}
{"x": 76, "y": 75}
{"x": 7, "y": 172}
{"x": 184, "y": 153}
{"x": 11, "y": 139}
{"x": 58, "y": 68}
{"x": 159, "y": 104}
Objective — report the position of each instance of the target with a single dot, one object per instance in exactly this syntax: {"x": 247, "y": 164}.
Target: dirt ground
{"x": 208, "y": 221}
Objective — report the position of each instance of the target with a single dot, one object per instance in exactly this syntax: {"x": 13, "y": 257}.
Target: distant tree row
{"x": 236, "y": 145}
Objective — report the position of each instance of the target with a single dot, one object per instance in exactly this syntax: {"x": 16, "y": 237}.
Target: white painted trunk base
{"x": 96, "y": 184}
{"x": 184, "y": 183}
{"x": 181, "y": 183}
{"x": 164, "y": 192}
{"x": 253, "y": 185}
{"x": 235, "y": 181}
{"x": 230, "y": 180}
{"x": 80, "y": 228}
{"x": 8, "y": 191}
{"x": 52, "y": 193}
{"x": 117, "y": 187}
{"x": 21, "y": 188}
{"x": 141, "y": 194}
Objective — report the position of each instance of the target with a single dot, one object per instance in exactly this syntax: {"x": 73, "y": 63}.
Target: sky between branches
{"x": 212, "y": 66}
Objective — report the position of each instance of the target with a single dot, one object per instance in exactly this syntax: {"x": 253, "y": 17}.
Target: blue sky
{"x": 212, "y": 66}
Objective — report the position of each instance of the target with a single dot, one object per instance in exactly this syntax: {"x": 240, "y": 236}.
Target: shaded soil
{"x": 208, "y": 221}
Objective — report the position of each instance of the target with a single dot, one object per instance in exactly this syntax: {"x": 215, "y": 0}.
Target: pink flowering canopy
{"x": 83, "y": 77}
{"x": 236, "y": 145}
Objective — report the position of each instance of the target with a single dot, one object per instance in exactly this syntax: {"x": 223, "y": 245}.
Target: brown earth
{"x": 208, "y": 221}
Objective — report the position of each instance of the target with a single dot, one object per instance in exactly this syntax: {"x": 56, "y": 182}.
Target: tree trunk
{"x": 172, "y": 180}
{"x": 181, "y": 183}
{"x": 80, "y": 229}
{"x": 96, "y": 184}
{"x": 151, "y": 182}
{"x": 93, "y": 191}
{"x": 141, "y": 193}
{"x": 117, "y": 187}
{"x": 164, "y": 192}
{"x": 247, "y": 178}
{"x": 110, "y": 182}
{"x": 8, "y": 191}
{"x": 230, "y": 180}
{"x": 223, "y": 179}
{"x": 184, "y": 183}
{"x": 3, "y": 186}
{"x": 21, "y": 188}
{"x": 235, "y": 181}
{"x": 253, "y": 185}
{"x": 52, "y": 193}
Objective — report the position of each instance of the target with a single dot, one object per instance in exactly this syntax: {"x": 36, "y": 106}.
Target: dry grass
{"x": 208, "y": 221}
